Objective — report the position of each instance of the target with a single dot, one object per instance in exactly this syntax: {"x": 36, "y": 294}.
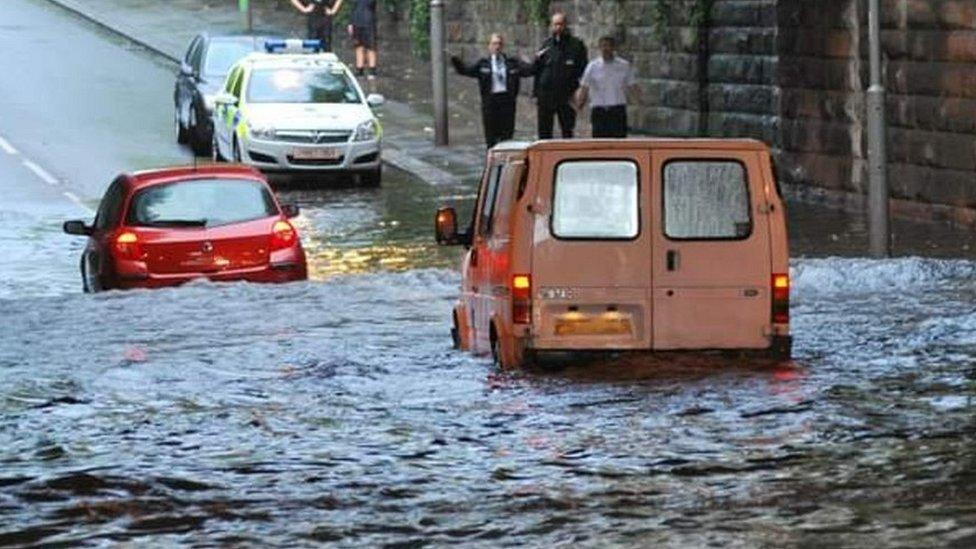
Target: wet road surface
{"x": 335, "y": 411}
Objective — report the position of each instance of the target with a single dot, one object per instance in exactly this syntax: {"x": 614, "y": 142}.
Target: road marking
{"x": 40, "y": 172}
{"x": 7, "y": 147}
{"x": 74, "y": 198}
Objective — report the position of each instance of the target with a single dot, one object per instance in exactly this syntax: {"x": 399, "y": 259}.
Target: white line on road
{"x": 40, "y": 172}
{"x": 7, "y": 147}
{"x": 74, "y": 198}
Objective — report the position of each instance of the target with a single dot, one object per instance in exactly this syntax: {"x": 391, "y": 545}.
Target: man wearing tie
{"x": 498, "y": 78}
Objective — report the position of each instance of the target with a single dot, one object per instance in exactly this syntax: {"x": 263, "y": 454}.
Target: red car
{"x": 165, "y": 227}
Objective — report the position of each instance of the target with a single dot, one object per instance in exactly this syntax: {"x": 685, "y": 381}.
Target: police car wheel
{"x": 372, "y": 178}
{"x": 182, "y": 135}
{"x": 215, "y": 149}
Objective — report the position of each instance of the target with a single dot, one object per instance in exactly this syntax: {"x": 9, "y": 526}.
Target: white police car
{"x": 298, "y": 112}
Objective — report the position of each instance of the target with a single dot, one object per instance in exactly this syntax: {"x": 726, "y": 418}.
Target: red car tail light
{"x": 283, "y": 235}
{"x": 781, "y": 299}
{"x": 127, "y": 246}
{"x": 521, "y": 299}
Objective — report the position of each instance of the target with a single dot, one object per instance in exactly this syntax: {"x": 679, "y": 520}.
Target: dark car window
{"x": 111, "y": 205}
{"x": 198, "y": 203}
{"x": 222, "y": 54}
{"x": 302, "y": 85}
{"x": 193, "y": 49}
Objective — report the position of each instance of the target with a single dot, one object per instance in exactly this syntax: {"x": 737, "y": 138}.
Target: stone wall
{"x": 791, "y": 73}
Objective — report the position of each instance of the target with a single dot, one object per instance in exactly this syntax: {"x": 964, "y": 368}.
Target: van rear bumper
{"x": 780, "y": 349}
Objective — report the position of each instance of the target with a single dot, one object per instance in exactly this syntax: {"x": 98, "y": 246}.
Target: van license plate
{"x": 593, "y": 326}
{"x": 316, "y": 154}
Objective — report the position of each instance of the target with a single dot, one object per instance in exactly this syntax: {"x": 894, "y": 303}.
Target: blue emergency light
{"x": 274, "y": 46}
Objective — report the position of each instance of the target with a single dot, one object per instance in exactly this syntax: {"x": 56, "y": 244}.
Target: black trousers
{"x": 565, "y": 113}
{"x": 320, "y": 28}
{"x": 498, "y": 117}
{"x": 609, "y": 121}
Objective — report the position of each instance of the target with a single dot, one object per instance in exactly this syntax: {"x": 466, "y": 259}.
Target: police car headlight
{"x": 367, "y": 131}
{"x": 262, "y": 132}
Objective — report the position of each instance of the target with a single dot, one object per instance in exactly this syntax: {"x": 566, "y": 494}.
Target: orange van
{"x": 623, "y": 245}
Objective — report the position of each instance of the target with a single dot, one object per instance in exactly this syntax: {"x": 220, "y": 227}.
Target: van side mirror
{"x": 290, "y": 210}
{"x": 77, "y": 227}
{"x": 446, "y": 229}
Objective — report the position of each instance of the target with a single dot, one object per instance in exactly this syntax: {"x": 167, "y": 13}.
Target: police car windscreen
{"x": 301, "y": 85}
{"x": 200, "y": 203}
{"x": 222, "y": 54}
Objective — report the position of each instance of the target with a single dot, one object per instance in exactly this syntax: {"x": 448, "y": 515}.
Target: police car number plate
{"x": 317, "y": 154}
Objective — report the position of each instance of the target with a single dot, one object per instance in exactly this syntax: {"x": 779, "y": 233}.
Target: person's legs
{"x": 598, "y": 119}
{"x": 618, "y": 121}
{"x": 544, "y": 114}
{"x": 488, "y": 122}
{"x": 505, "y": 114}
{"x": 567, "y": 119}
{"x": 360, "y": 59}
{"x": 325, "y": 34}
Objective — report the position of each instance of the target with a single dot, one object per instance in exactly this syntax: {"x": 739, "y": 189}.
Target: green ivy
{"x": 420, "y": 27}
{"x": 661, "y": 11}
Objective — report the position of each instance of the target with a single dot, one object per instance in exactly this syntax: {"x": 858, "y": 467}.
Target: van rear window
{"x": 706, "y": 200}
{"x": 596, "y": 199}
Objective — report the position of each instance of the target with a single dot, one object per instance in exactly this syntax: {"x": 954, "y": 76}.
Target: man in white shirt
{"x": 499, "y": 79}
{"x": 606, "y": 83}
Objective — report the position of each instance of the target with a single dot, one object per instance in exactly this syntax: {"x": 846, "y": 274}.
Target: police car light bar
{"x": 276, "y": 46}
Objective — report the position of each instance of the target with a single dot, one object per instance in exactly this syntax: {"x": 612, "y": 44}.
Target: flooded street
{"x": 335, "y": 411}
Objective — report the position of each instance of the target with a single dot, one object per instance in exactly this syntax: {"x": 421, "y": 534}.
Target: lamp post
{"x": 247, "y": 14}
{"x": 879, "y": 229}
{"x": 438, "y": 67}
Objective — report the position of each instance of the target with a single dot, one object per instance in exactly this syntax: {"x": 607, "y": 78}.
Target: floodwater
{"x": 336, "y": 411}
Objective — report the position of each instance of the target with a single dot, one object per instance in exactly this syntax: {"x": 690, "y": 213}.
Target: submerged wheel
{"x": 455, "y": 333}
{"x": 215, "y": 149}
{"x": 372, "y": 178}
{"x": 199, "y": 141}
{"x": 496, "y": 349}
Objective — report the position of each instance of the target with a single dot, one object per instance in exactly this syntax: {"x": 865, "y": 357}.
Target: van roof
{"x": 630, "y": 143}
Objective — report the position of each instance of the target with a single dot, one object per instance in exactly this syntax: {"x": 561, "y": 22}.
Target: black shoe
{"x": 359, "y": 71}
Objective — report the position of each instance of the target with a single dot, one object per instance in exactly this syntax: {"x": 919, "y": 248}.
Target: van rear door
{"x": 711, "y": 259}
{"x": 590, "y": 279}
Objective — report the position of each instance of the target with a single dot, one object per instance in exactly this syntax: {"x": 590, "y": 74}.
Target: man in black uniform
{"x": 320, "y": 14}
{"x": 498, "y": 79}
{"x": 558, "y": 68}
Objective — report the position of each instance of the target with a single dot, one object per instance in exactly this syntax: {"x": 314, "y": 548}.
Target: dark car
{"x": 165, "y": 227}
{"x": 207, "y": 61}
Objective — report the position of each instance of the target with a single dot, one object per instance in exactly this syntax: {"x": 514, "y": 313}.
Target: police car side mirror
{"x": 375, "y": 100}
{"x": 224, "y": 98}
{"x": 186, "y": 69}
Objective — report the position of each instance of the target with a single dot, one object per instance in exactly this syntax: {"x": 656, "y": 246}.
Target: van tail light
{"x": 283, "y": 235}
{"x": 781, "y": 299}
{"x": 127, "y": 246}
{"x": 521, "y": 299}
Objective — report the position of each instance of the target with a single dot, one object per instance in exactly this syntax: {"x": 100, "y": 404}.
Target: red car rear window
{"x": 200, "y": 203}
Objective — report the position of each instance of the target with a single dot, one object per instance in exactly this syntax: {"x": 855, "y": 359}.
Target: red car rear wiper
{"x": 175, "y": 223}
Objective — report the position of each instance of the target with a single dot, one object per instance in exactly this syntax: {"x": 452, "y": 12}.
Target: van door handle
{"x": 673, "y": 260}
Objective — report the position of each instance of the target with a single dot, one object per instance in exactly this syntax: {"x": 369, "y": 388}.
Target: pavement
{"x": 166, "y": 29}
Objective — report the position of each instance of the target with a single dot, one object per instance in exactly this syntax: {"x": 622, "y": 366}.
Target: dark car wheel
{"x": 372, "y": 178}
{"x": 182, "y": 135}
{"x": 85, "y": 286}
{"x": 200, "y": 135}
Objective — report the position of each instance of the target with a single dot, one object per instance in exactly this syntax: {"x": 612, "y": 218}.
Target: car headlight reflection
{"x": 367, "y": 131}
{"x": 262, "y": 132}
